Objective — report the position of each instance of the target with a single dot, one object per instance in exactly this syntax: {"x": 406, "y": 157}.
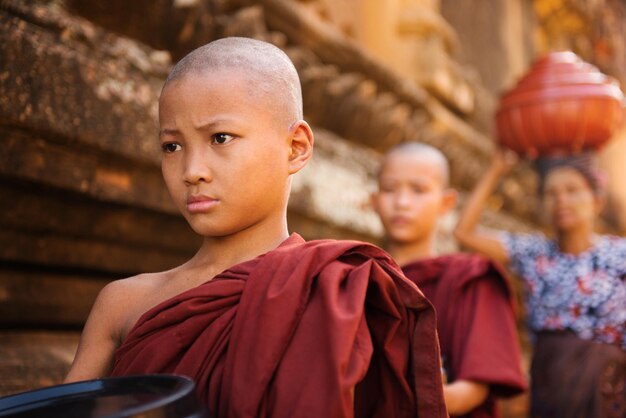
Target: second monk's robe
{"x": 476, "y": 323}
{"x": 292, "y": 332}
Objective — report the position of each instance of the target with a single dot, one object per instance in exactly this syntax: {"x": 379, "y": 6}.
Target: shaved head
{"x": 270, "y": 73}
{"x": 424, "y": 151}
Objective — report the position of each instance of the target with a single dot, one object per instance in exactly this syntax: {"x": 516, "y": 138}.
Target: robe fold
{"x": 310, "y": 329}
{"x": 475, "y": 322}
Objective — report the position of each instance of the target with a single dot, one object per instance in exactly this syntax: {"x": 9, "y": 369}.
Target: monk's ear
{"x": 449, "y": 200}
{"x": 301, "y": 146}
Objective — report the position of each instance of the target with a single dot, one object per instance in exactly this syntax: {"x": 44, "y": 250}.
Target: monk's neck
{"x": 220, "y": 253}
{"x": 404, "y": 253}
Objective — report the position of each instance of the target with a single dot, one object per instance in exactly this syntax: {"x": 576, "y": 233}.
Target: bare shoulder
{"x": 120, "y": 291}
{"x": 116, "y": 309}
{"x": 125, "y": 300}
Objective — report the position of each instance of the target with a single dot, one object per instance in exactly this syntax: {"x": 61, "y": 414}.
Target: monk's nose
{"x": 197, "y": 168}
{"x": 403, "y": 199}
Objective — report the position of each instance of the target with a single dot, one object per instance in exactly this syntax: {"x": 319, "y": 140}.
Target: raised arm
{"x": 466, "y": 231}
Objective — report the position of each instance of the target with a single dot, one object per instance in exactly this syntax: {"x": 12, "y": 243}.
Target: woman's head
{"x": 572, "y": 191}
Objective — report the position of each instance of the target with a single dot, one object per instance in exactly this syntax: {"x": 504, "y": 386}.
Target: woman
{"x": 575, "y": 289}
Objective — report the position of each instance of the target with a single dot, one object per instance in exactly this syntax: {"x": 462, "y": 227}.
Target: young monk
{"x": 265, "y": 323}
{"x": 476, "y": 323}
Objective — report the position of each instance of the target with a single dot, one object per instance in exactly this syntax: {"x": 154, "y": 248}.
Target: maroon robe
{"x": 475, "y": 322}
{"x": 289, "y": 333}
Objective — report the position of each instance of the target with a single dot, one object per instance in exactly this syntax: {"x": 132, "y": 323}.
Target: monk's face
{"x": 569, "y": 200}
{"x": 412, "y": 196}
{"x": 225, "y": 156}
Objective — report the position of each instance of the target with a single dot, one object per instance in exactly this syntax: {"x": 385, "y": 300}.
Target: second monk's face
{"x": 225, "y": 153}
{"x": 411, "y": 196}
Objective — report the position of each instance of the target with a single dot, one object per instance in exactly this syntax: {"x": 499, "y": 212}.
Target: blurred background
{"x": 82, "y": 201}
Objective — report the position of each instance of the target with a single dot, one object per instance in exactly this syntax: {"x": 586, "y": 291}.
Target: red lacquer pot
{"x": 563, "y": 105}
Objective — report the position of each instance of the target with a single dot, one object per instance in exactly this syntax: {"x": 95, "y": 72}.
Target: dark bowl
{"x": 163, "y": 396}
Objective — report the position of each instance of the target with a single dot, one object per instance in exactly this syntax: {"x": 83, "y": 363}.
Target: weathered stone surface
{"x": 410, "y": 35}
{"x": 505, "y": 26}
{"x": 65, "y": 77}
{"x": 63, "y": 251}
{"x": 175, "y": 26}
{"x": 34, "y": 359}
{"x": 53, "y": 299}
{"x": 104, "y": 176}
{"x": 34, "y": 208}
{"x": 336, "y": 193}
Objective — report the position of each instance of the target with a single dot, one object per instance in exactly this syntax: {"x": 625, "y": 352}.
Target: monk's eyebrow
{"x": 168, "y": 132}
{"x": 207, "y": 126}
{"x": 214, "y": 124}
{"x": 202, "y": 126}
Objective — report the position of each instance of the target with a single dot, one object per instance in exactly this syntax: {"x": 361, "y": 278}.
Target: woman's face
{"x": 569, "y": 201}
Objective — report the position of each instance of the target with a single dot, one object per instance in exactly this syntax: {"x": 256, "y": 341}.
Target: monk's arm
{"x": 464, "y": 395}
{"x": 94, "y": 356}
{"x": 467, "y": 231}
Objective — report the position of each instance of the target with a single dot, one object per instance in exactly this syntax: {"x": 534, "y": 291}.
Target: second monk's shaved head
{"x": 271, "y": 74}
{"x": 424, "y": 151}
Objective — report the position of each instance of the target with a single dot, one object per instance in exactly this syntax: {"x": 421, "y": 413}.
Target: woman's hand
{"x": 466, "y": 231}
{"x": 503, "y": 161}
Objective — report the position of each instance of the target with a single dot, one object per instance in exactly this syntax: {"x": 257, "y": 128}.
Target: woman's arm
{"x": 466, "y": 231}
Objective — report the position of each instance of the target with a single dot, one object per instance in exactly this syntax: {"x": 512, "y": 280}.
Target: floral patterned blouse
{"x": 583, "y": 293}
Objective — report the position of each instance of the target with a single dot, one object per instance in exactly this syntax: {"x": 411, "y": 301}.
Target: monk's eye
{"x": 384, "y": 187}
{"x": 170, "y": 147}
{"x": 222, "y": 138}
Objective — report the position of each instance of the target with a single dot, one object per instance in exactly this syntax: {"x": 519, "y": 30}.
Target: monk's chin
{"x": 406, "y": 238}
{"x": 213, "y": 231}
